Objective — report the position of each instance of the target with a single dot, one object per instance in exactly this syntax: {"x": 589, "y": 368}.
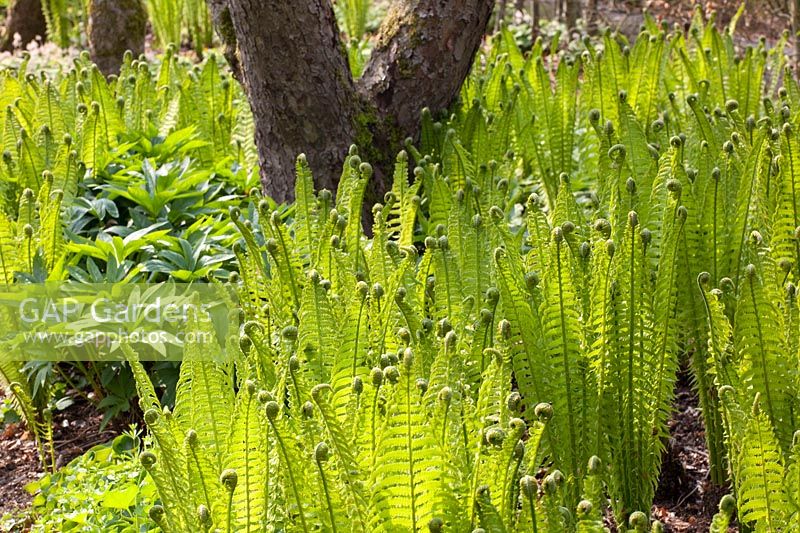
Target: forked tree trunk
{"x": 304, "y": 99}
{"x": 26, "y": 19}
{"x": 115, "y": 26}
{"x": 424, "y": 52}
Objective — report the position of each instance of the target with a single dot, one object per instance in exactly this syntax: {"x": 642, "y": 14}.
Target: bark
{"x": 304, "y": 99}
{"x": 591, "y": 16}
{"x": 573, "y": 12}
{"x": 26, "y": 19}
{"x": 297, "y": 77}
{"x": 424, "y": 52}
{"x": 221, "y": 18}
{"x": 501, "y": 14}
{"x": 535, "y": 16}
{"x": 115, "y": 26}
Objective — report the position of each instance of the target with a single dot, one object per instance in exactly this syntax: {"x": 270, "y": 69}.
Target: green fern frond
{"x": 410, "y": 483}
{"x": 760, "y": 489}
{"x": 247, "y": 455}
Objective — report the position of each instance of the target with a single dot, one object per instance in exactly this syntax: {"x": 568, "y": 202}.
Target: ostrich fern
{"x": 502, "y": 352}
{"x": 376, "y": 376}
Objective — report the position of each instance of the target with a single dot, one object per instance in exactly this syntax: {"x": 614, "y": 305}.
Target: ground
{"x": 685, "y": 500}
{"x": 76, "y": 429}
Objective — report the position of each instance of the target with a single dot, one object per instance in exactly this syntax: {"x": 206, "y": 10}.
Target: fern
{"x": 760, "y": 489}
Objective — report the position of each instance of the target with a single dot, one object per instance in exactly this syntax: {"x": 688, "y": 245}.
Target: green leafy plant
{"x": 103, "y": 489}
{"x": 102, "y": 187}
{"x": 396, "y": 398}
{"x": 502, "y": 352}
{"x": 631, "y": 124}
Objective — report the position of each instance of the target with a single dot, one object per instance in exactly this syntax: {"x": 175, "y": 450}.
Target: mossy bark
{"x": 221, "y": 17}
{"x": 26, "y": 19}
{"x": 425, "y": 51}
{"x": 115, "y": 26}
{"x": 304, "y": 99}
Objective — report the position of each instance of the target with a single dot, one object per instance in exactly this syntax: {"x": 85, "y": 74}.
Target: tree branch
{"x": 425, "y": 51}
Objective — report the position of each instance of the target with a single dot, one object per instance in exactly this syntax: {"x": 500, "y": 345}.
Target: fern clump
{"x": 501, "y": 353}
{"x": 367, "y": 369}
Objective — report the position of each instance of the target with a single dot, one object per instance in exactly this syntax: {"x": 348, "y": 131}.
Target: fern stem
{"x": 574, "y": 448}
{"x": 532, "y": 507}
{"x": 247, "y": 471}
{"x": 296, "y": 387}
{"x": 474, "y": 488}
{"x": 444, "y": 424}
{"x": 354, "y": 366}
{"x": 290, "y": 473}
{"x": 761, "y": 344}
{"x": 373, "y": 425}
{"x": 409, "y": 427}
{"x": 202, "y": 477}
{"x": 601, "y": 382}
{"x": 714, "y": 231}
{"x": 488, "y": 337}
{"x": 508, "y": 485}
{"x": 229, "y": 514}
{"x": 465, "y": 438}
{"x": 327, "y": 496}
{"x": 30, "y": 253}
{"x": 629, "y": 432}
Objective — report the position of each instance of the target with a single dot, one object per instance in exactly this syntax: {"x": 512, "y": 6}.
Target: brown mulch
{"x": 75, "y": 430}
{"x": 686, "y": 501}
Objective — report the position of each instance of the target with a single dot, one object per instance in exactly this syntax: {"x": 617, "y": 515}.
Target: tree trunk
{"x": 573, "y": 13}
{"x": 221, "y": 18}
{"x": 424, "y": 52}
{"x": 534, "y": 20}
{"x": 305, "y": 100}
{"x": 591, "y": 16}
{"x": 26, "y": 19}
{"x": 298, "y": 80}
{"x": 115, "y": 26}
{"x": 500, "y": 18}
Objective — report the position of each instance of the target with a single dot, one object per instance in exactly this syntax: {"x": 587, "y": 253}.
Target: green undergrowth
{"x": 501, "y": 353}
